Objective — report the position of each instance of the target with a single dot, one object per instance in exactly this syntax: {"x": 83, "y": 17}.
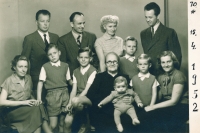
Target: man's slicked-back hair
{"x": 71, "y": 18}
{"x": 44, "y": 12}
{"x": 153, "y": 6}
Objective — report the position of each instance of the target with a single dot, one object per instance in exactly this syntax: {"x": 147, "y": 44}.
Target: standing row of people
{"x": 74, "y": 49}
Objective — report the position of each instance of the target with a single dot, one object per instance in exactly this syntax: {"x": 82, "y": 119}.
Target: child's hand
{"x": 38, "y": 102}
{"x": 68, "y": 108}
{"x": 140, "y": 105}
{"x": 75, "y": 102}
{"x": 100, "y": 105}
{"x": 148, "y": 108}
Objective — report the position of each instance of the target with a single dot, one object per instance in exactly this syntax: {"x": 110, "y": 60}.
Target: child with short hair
{"x": 83, "y": 77}
{"x": 121, "y": 90}
{"x": 128, "y": 64}
{"x": 53, "y": 76}
{"x": 145, "y": 84}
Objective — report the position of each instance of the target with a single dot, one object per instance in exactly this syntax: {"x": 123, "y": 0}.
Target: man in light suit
{"x": 70, "y": 43}
{"x": 35, "y": 43}
{"x": 157, "y": 37}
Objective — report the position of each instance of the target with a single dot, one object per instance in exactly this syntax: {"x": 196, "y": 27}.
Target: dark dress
{"x": 25, "y": 119}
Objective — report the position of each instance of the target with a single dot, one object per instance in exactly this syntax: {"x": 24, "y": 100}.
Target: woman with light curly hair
{"x": 109, "y": 42}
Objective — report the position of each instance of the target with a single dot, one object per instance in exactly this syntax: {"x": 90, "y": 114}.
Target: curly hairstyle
{"x": 108, "y": 19}
{"x": 173, "y": 57}
{"x": 16, "y": 59}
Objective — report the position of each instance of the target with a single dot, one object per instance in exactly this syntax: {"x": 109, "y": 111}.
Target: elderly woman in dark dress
{"x": 24, "y": 113}
{"x": 172, "y": 111}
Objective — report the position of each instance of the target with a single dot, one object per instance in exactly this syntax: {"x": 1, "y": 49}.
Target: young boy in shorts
{"x": 83, "y": 77}
{"x": 53, "y": 76}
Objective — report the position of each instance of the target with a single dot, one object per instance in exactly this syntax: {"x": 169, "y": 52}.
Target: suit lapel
{"x": 156, "y": 36}
{"x": 84, "y": 42}
{"x": 148, "y": 38}
{"x": 39, "y": 39}
{"x": 73, "y": 45}
{"x": 51, "y": 38}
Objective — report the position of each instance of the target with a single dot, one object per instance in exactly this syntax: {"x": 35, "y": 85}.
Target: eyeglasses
{"x": 111, "y": 62}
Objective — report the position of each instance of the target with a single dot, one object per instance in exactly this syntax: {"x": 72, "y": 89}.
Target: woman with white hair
{"x": 109, "y": 42}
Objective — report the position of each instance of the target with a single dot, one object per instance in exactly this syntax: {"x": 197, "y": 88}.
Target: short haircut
{"x": 85, "y": 49}
{"x": 153, "y": 6}
{"x": 16, "y": 59}
{"x": 108, "y": 19}
{"x": 72, "y": 16}
{"x": 112, "y": 53}
{"x": 144, "y": 56}
{"x": 120, "y": 79}
{"x": 44, "y": 12}
{"x": 130, "y": 38}
{"x": 51, "y": 45}
{"x": 173, "y": 57}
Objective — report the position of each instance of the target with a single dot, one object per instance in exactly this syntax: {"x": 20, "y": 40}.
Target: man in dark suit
{"x": 35, "y": 43}
{"x": 70, "y": 43}
{"x": 157, "y": 37}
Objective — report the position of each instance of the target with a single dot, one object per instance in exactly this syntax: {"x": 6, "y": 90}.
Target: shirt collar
{"x": 155, "y": 27}
{"x": 42, "y": 34}
{"x": 76, "y": 34}
{"x": 143, "y": 75}
{"x": 128, "y": 56}
{"x": 84, "y": 69}
{"x": 57, "y": 64}
{"x": 15, "y": 78}
{"x": 108, "y": 37}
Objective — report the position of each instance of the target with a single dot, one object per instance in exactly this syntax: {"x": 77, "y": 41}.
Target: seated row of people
{"x": 90, "y": 88}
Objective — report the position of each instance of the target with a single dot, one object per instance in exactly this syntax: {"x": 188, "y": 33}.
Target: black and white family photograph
{"x": 94, "y": 66}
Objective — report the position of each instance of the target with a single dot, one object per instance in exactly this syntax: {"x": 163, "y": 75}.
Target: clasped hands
{"x": 32, "y": 102}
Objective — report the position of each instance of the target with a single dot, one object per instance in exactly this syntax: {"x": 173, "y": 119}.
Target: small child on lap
{"x": 128, "y": 63}
{"x": 145, "y": 84}
{"x": 53, "y": 76}
{"x": 121, "y": 90}
{"x": 83, "y": 77}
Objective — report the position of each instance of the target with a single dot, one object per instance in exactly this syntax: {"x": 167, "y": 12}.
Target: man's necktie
{"x": 152, "y": 32}
{"x": 78, "y": 41}
{"x": 45, "y": 42}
